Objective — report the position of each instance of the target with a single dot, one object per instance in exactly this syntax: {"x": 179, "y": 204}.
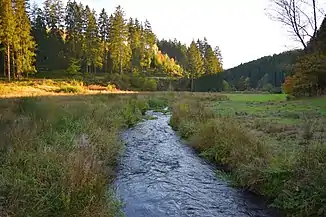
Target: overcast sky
{"x": 241, "y": 28}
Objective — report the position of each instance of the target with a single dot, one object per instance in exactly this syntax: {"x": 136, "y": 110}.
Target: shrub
{"x": 74, "y": 67}
{"x": 111, "y": 87}
{"x": 149, "y": 85}
{"x": 69, "y": 89}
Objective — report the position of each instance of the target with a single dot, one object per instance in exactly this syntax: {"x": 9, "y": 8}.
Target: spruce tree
{"x": 211, "y": 62}
{"x": 40, "y": 35}
{"x": 104, "y": 28}
{"x": 195, "y": 63}
{"x": 92, "y": 46}
{"x": 7, "y": 32}
{"x": 120, "y": 51}
{"x": 24, "y": 48}
{"x": 148, "y": 40}
{"x": 54, "y": 16}
{"x": 74, "y": 32}
{"x": 135, "y": 42}
{"x": 218, "y": 54}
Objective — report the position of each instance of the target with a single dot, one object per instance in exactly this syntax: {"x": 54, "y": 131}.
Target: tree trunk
{"x": 315, "y": 18}
{"x": 8, "y": 62}
{"x": 14, "y": 68}
{"x": 4, "y": 65}
{"x": 192, "y": 84}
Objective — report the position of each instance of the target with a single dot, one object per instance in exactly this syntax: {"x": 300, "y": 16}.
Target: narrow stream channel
{"x": 159, "y": 176}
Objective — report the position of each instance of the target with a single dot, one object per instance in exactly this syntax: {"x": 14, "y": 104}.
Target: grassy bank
{"x": 41, "y": 87}
{"x": 58, "y": 153}
{"x": 271, "y": 146}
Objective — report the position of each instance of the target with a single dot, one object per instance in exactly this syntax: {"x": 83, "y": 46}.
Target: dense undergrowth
{"x": 58, "y": 154}
{"x": 292, "y": 177}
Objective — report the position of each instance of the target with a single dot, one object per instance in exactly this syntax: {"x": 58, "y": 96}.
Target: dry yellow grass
{"x": 51, "y": 88}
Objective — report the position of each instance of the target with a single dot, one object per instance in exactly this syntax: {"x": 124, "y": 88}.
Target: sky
{"x": 240, "y": 28}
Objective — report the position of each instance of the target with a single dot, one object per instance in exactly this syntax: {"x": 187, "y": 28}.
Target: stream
{"x": 160, "y": 176}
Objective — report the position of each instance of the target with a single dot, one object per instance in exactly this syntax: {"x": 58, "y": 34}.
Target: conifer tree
{"x": 211, "y": 62}
{"x": 54, "y": 16}
{"x": 104, "y": 28}
{"x": 120, "y": 51}
{"x": 195, "y": 63}
{"x": 7, "y": 32}
{"x": 218, "y": 54}
{"x": 135, "y": 42}
{"x": 148, "y": 40}
{"x": 24, "y": 47}
{"x": 92, "y": 46}
{"x": 74, "y": 33}
{"x": 40, "y": 35}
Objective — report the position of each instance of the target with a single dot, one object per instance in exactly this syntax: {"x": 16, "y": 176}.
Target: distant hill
{"x": 264, "y": 73}
{"x": 266, "y": 70}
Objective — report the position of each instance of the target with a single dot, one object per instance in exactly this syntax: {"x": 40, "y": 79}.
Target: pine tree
{"x": 104, "y": 28}
{"x": 24, "y": 48}
{"x": 92, "y": 46}
{"x": 74, "y": 31}
{"x": 54, "y": 16}
{"x": 120, "y": 51}
{"x": 148, "y": 40}
{"x": 135, "y": 42}
{"x": 211, "y": 62}
{"x": 195, "y": 63}
{"x": 7, "y": 32}
{"x": 40, "y": 35}
{"x": 218, "y": 54}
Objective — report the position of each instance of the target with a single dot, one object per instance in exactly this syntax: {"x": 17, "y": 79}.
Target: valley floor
{"x": 61, "y": 144}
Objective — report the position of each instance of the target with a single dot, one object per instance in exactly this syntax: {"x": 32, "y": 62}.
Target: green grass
{"x": 58, "y": 154}
{"x": 269, "y": 145}
{"x": 256, "y": 97}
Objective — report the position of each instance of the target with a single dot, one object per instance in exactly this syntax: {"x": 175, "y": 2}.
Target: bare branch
{"x": 299, "y": 16}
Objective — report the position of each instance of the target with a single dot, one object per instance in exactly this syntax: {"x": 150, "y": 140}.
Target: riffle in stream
{"x": 159, "y": 176}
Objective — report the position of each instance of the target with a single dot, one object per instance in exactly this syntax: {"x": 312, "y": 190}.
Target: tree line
{"x": 74, "y": 39}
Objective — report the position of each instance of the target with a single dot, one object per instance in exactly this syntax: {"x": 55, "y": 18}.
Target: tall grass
{"x": 58, "y": 154}
{"x": 292, "y": 178}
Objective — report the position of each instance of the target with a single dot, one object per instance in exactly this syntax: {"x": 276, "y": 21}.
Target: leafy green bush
{"x": 149, "y": 85}
{"x": 74, "y": 67}
{"x": 133, "y": 81}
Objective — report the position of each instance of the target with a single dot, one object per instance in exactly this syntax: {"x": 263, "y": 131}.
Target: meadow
{"x": 60, "y": 149}
{"x": 270, "y": 146}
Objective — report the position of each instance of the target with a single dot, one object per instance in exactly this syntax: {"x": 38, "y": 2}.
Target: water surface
{"x": 159, "y": 176}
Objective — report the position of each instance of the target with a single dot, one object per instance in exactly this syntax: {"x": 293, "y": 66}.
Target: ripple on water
{"x": 159, "y": 176}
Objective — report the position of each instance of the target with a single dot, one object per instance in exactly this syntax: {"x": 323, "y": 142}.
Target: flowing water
{"x": 159, "y": 176}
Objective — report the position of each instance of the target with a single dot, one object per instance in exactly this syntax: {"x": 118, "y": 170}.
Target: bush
{"x": 149, "y": 85}
{"x": 69, "y": 89}
{"x": 74, "y": 67}
{"x": 111, "y": 87}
